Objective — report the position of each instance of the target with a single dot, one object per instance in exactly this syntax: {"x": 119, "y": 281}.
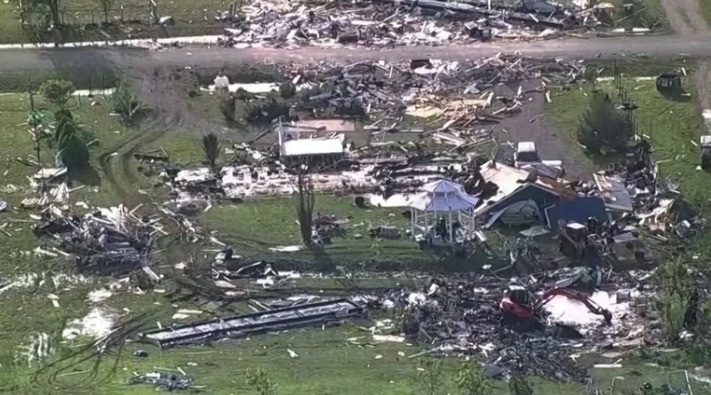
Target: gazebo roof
{"x": 443, "y": 195}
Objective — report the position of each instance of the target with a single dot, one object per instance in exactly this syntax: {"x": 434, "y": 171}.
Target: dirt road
{"x": 96, "y": 59}
{"x": 685, "y": 17}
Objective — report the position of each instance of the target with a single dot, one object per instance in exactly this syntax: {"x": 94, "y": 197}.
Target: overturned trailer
{"x": 247, "y": 324}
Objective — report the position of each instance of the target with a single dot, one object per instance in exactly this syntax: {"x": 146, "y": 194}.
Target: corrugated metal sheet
{"x": 243, "y": 325}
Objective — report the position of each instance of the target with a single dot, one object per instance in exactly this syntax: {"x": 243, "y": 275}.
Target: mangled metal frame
{"x": 246, "y": 324}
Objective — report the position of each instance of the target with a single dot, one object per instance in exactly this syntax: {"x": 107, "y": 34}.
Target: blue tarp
{"x": 578, "y": 210}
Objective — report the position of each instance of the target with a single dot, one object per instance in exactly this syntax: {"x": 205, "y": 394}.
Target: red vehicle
{"x": 518, "y": 303}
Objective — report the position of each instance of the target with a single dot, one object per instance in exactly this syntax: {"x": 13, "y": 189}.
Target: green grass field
{"x": 328, "y": 362}
{"x": 84, "y": 17}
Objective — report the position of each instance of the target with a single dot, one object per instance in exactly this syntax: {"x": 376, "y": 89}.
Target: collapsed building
{"x": 111, "y": 241}
{"x": 387, "y": 23}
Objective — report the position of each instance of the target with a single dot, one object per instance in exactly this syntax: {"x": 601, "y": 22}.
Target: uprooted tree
{"x": 126, "y": 103}
{"x": 57, "y": 92}
{"x": 603, "y": 127}
{"x": 211, "y": 148}
{"x": 305, "y": 205}
{"x": 73, "y": 151}
{"x": 228, "y": 106}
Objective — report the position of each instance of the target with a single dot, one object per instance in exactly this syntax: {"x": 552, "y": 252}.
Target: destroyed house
{"x": 513, "y": 196}
{"x": 313, "y": 141}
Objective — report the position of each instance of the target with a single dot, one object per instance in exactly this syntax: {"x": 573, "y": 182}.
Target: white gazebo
{"x": 442, "y": 199}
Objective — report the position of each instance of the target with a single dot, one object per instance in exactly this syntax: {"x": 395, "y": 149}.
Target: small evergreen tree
{"x": 471, "y": 382}
{"x": 67, "y": 135}
{"x": 602, "y": 126}
{"x": 126, "y": 103}
{"x": 259, "y": 380}
{"x": 429, "y": 376}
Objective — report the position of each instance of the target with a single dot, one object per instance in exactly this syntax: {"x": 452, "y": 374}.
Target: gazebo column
{"x": 449, "y": 224}
{"x": 472, "y": 221}
{"x": 427, "y": 223}
{"x": 413, "y": 221}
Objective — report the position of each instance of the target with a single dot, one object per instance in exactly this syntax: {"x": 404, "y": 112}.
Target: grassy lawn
{"x": 17, "y": 81}
{"x": 328, "y": 362}
{"x": 337, "y": 360}
{"x": 706, "y": 10}
{"x": 672, "y": 125}
{"x": 191, "y": 19}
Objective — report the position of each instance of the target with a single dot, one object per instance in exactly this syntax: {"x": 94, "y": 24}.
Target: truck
{"x": 526, "y": 158}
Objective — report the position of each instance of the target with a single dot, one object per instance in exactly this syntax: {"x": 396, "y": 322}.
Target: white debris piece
{"x": 37, "y": 349}
{"x": 293, "y": 248}
{"x": 95, "y": 324}
{"x": 99, "y": 295}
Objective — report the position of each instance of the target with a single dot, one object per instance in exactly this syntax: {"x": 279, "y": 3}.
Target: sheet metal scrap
{"x": 106, "y": 241}
{"x": 164, "y": 381}
{"x": 633, "y": 185}
{"x": 244, "y": 325}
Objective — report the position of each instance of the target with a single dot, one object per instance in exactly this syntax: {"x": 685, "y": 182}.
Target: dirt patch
{"x": 164, "y": 91}
{"x": 703, "y": 91}
{"x": 685, "y": 16}
{"x": 531, "y": 125}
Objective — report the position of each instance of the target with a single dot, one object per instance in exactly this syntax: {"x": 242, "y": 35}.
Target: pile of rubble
{"x": 461, "y": 90}
{"x": 639, "y": 199}
{"x": 387, "y": 23}
{"x": 463, "y": 99}
{"x": 107, "y": 241}
{"x": 462, "y": 316}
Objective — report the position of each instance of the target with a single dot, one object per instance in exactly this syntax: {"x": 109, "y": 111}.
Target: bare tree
{"x": 305, "y": 205}
{"x": 106, "y": 7}
{"x": 211, "y": 148}
{"x": 35, "y": 122}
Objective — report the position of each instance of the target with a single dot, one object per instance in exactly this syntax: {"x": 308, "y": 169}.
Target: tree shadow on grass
{"x": 323, "y": 263}
{"x": 87, "y": 176}
{"x": 677, "y": 95}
